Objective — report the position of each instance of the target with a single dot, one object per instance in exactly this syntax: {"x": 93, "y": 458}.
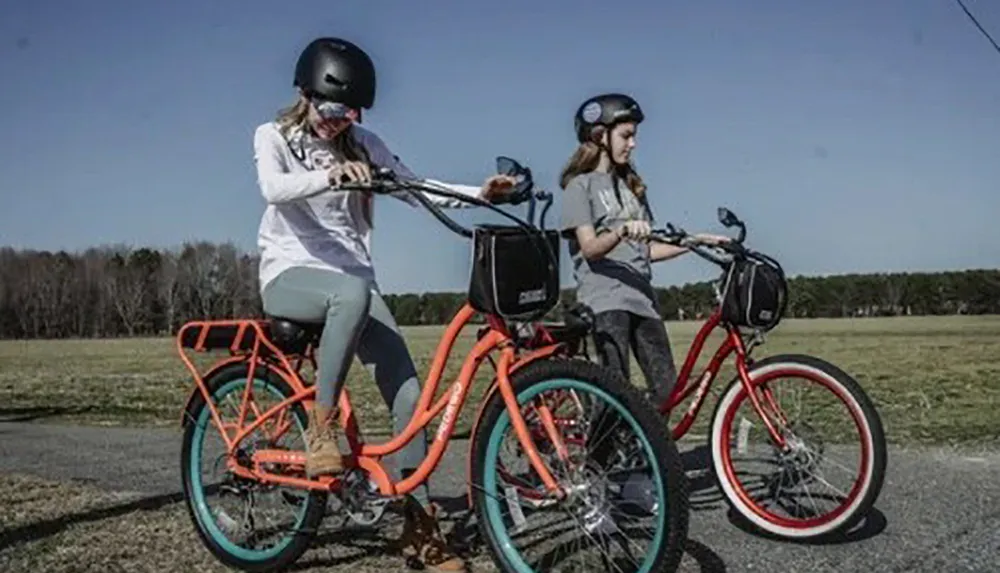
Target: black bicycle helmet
{"x": 336, "y": 70}
{"x": 606, "y": 110}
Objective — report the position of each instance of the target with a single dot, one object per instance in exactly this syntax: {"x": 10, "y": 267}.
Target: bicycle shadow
{"x": 871, "y": 525}
{"x": 368, "y": 543}
{"x": 706, "y": 496}
{"x": 458, "y": 521}
{"x": 351, "y": 537}
{"x": 32, "y": 413}
{"x": 365, "y": 543}
{"x": 703, "y": 492}
{"x": 465, "y": 537}
{"x": 49, "y": 527}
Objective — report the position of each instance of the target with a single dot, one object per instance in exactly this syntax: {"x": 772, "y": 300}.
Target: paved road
{"x": 939, "y": 510}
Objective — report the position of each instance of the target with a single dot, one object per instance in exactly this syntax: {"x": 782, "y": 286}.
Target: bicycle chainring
{"x": 361, "y": 499}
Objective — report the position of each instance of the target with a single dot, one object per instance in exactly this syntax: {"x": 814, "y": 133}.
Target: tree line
{"x": 115, "y": 291}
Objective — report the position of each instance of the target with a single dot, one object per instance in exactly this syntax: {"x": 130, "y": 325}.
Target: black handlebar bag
{"x": 754, "y": 292}
{"x": 515, "y": 272}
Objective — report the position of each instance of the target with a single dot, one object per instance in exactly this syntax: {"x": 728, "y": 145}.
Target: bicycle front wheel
{"x": 626, "y": 507}
{"x": 831, "y": 472}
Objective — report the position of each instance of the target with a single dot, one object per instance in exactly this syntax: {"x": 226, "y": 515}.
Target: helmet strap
{"x": 616, "y": 182}
{"x": 606, "y": 147}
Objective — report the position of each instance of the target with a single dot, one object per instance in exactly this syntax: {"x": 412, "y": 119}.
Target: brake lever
{"x": 674, "y": 230}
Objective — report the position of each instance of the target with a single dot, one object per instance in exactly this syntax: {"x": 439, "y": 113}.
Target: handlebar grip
{"x": 374, "y": 186}
{"x": 353, "y": 186}
{"x": 669, "y": 237}
{"x": 677, "y": 237}
{"x": 380, "y": 179}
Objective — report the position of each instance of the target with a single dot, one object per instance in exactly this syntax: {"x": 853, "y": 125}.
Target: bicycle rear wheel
{"x": 627, "y": 505}
{"x": 833, "y": 471}
{"x": 246, "y": 524}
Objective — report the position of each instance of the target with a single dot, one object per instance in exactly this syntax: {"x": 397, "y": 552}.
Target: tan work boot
{"x": 322, "y": 452}
{"x": 422, "y": 540}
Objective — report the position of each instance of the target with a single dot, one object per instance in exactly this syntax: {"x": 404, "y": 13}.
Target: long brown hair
{"x": 587, "y": 156}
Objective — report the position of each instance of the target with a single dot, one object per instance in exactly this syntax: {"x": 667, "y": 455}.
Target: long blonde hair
{"x": 295, "y": 117}
{"x": 586, "y": 158}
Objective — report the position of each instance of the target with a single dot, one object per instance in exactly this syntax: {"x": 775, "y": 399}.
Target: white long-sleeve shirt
{"x": 308, "y": 223}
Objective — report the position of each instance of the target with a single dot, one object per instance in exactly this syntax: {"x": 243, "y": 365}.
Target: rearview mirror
{"x": 523, "y": 189}
{"x": 727, "y": 218}
{"x": 507, "y": 166}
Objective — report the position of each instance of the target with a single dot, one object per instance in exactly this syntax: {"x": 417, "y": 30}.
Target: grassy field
{"x": 934, "y": 379}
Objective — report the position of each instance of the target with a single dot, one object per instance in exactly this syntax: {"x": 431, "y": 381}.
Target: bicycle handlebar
{"x": 384, "y": 181}
{"x": 673, "y": 235}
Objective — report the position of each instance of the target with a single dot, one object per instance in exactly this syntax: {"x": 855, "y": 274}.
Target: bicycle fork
{"x": 521, "y": 427}
{"x": 744, "y": 375}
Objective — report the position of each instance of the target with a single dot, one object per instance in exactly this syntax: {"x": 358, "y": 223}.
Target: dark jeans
{"x": 616, "y": 331}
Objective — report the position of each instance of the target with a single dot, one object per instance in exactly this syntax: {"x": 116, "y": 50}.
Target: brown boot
{"x": 322, "y": 453}
{"x": 422, "y": 539}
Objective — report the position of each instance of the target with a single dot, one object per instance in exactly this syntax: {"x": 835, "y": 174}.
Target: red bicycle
{"x": 768, "y": 491}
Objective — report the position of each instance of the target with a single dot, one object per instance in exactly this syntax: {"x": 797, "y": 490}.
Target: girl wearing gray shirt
{"x": 606, "y": 220}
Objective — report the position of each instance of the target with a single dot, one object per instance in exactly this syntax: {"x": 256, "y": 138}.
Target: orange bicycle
{"x": 549, "y": 419}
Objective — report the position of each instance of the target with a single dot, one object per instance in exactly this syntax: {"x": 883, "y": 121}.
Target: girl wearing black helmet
{"x": 316, "y": 261}
{"x": 606, "y": 220}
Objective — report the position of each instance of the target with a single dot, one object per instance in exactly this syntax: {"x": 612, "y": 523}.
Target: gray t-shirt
{"x": 621, "y": 280}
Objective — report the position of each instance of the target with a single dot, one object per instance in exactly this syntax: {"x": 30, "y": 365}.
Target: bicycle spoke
{"x": 816, "y": 426}
{"x": 604, "y": 462}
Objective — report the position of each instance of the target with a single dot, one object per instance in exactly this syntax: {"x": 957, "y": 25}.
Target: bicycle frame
{"x": 265, "y": 354}
{"x": 733, "y": 343}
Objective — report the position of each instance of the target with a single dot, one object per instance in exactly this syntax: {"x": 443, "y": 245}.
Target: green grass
{"x": 935, "y": 380}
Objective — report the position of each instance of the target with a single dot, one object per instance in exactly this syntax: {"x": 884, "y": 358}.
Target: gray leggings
{"x": 356, "y": 321}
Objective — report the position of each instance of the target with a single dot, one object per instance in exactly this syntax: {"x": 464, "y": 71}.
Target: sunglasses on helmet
{"x": 334, "y": 110}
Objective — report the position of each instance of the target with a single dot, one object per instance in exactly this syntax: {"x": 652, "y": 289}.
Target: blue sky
{"x": 850, "y": 135}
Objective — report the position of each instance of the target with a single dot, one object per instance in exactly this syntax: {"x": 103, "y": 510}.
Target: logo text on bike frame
{"x": 451, "y": 410}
